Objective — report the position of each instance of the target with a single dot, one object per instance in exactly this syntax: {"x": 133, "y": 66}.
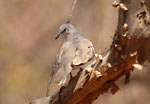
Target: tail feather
{"x": 59, "y": 76}
{"x": 50, "y": 81}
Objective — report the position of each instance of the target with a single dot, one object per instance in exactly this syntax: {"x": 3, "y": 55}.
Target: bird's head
{"x": 65, "y": 29}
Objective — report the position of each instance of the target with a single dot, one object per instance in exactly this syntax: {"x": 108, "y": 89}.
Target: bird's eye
{"x": 64, "y": 29}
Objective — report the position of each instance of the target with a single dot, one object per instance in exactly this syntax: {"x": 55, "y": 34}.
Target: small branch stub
{"x": 71, "y": 12}
{"x": 115, "y": 4}
{"x": 123, "y": 7}
{"x": 125, "y": 27}
{"x": 119, "y": 5}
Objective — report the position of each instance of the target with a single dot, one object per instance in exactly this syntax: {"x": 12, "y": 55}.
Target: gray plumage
{"x": 76, "y": 50}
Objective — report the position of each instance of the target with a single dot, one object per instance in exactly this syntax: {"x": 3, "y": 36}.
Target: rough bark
{"x": 129, "y": 49}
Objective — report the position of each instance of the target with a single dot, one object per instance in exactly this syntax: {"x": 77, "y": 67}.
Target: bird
{"x": 76, "y": 50}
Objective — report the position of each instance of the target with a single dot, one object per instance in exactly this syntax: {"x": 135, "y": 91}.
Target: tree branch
{"x": 129, "y": 49}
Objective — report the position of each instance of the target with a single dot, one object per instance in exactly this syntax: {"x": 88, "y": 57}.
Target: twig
{"x": 71, "y": 12}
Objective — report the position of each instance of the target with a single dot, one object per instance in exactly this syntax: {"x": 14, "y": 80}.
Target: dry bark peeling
{"x": 130, "y": 49}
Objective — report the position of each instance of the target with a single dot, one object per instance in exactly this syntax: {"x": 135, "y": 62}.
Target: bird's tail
{"x": 50, "y": 81}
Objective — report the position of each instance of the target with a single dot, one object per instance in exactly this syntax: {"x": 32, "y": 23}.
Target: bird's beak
{"x": 57, "y": 36}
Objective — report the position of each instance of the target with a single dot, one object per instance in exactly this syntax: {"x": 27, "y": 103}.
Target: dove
{"x": 75, "y": 51}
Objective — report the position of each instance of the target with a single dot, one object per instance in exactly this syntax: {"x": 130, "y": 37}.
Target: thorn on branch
{"x": 137, "y": 66}
{"x": 119, "y": 48}
{"x": 133, "y": 54}
{"x": 125, "y": 27}
{"x": 115, "y": 4}
{"x": 98, "y": 74}
{"x": 119, "y": 5}
{"x": 109, "y": 65}
{"x": 123, "y": 7}
{"x": 124, "y": 35}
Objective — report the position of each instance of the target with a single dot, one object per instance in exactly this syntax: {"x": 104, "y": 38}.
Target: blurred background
{"x": 28, "y": 47}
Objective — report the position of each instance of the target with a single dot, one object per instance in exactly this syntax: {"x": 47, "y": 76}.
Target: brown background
{"x": 28, "y": 48}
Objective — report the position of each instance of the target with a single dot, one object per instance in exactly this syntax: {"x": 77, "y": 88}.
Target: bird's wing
{"x": 64, "y": 58}
{"x": 54, "y": 71}
{"x": 84, "y": 52}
